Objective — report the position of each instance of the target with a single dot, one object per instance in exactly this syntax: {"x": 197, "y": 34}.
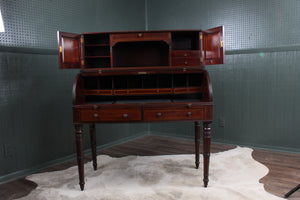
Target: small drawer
{"x": 89, "y": 115}
{"x": 169, "y": 115}
{"x": 119, "y": 115}
{"x": 142, "y": 36}
{"x": 194, "y": 54}
{"x": 185, "y": 61}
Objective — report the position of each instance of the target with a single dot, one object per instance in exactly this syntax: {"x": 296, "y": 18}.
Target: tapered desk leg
{"x": 197, "y": 143}
{"x": 80, "y": 162}
{"x": 206, "y": 150}
{"x": 93, "y": 145}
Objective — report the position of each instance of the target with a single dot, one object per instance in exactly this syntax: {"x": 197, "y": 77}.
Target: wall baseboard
{"x": 35, "y": 169}
{"x": 237, "y": 143}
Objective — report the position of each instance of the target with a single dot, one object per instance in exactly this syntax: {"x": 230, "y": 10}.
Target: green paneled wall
{"x": 36, "y": 96}
{"x": 257, "y": 91}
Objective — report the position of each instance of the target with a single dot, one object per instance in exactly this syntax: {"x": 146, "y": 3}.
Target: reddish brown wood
{"x": 185, "y": 61}
{"x": 79, "y": 147}
{"x": 197, "y": 143}
{"x": 213, "y": 46}
{"x": 186, "y": 53}
{"x": 147, "y": 76}
{"x": 206, "y": 151}
{"x": 69, "y": 50}
{"x": 93, "y": 145}
{"x": 159, "y": 115}
{"x": 140, "y": 36}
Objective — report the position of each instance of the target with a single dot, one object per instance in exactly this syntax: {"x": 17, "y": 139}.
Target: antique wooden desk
{"x": 146, "y": 76}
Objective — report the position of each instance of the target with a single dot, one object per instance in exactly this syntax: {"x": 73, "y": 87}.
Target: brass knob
{"x": 140, "y": 34}
{"x": 125, "y": 115}
{"x": 189, "y": 105}
{"x": 158, "y": 114}
{"x": 188, "y": 114}
{"x": 95, "y": 106}
{"x": 96, "y": 115}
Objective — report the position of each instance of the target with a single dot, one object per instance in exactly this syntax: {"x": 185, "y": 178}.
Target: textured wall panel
{"x": 248, "y": 24}
{"x": 35, "y": 95}
{"x": 33, "y": 23}
{"x": 257, "y": 92}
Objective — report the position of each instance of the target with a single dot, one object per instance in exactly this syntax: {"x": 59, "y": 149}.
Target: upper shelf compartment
{"x": 185, "y": 40}
{"x": 141, "y": 49}
{"x": 139, "y": 37}
{"x": 167, "y": 48}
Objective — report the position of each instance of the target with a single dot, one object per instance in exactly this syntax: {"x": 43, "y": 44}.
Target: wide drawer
{"x": 129, "y": 37}
{"x": 185, "y": 61}
{"x": 179, "y": 53}
{"x": 184, "y": 114}
{"x": 107, "y": 115}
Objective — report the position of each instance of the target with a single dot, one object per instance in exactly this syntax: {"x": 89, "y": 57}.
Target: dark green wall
{"x": 35, "y": 96}
{"x": 257, "y": 91}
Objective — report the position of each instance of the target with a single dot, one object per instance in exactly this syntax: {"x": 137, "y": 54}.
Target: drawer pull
{"x": 185, "y": 54}
{"x": 140, "y": 34}
{"x": 95, "y": 106}
{"x": 158, "y": 114}
{"x": 189, "y": 105}
{"x": 96, "y": 115}
{"x": 125, "y": 115}
{"x": 186, "y": 62}
{"x": 188, "y": 114}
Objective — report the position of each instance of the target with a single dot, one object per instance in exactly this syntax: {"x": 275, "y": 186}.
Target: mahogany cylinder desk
{"x": 142, "y": 76}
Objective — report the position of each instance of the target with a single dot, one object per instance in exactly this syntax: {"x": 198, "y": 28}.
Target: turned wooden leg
{"x": 197, "y": 143}
{"x": 79, "y": 146}
{"x": 93, "y": 145}
{"x": 206, "y": 150}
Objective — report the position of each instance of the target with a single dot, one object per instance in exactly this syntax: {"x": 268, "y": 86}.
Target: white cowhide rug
{"x": 234, "y": 174}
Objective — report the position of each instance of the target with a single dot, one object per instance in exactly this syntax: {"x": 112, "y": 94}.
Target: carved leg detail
{"x": 93, "y": 145}
{"x": 197, "y": 143}
{"x": 206, "y": 151}
{"x": 80, "y": 162}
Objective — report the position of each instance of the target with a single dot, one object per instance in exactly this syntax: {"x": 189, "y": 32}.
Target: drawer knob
{"x": 189, "y": 105}
{"x": 95, "y": 106}
{"x": 186, "y": 62}
{"x": 96, "y": 115}
{"x": 140, "y": 34}
{"x": 185, "y": 54}
{"x": 125, "y": 115}
{"x": 158, "y": 114}
{"x": 188, "y": 114}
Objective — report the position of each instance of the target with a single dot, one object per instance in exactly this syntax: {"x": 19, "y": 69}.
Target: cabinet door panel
{"x": 213, "y": 46}
{"x": 69, "y": 50}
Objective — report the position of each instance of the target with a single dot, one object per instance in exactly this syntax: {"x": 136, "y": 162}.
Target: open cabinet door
{"x": 69, "y": 50}
{"x": 213, "y": 46}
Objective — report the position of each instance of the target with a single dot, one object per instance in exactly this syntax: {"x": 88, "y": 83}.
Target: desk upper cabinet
{"x": 141, "y": 49}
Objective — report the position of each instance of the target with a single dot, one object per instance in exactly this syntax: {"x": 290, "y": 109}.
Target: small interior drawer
{"x": 89, "y": 115}
{"x": 185, "y": 61}
{"x": 186, "y": 54}
{"x": 129, "y": 37}
{"x": 186, "y": 114}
